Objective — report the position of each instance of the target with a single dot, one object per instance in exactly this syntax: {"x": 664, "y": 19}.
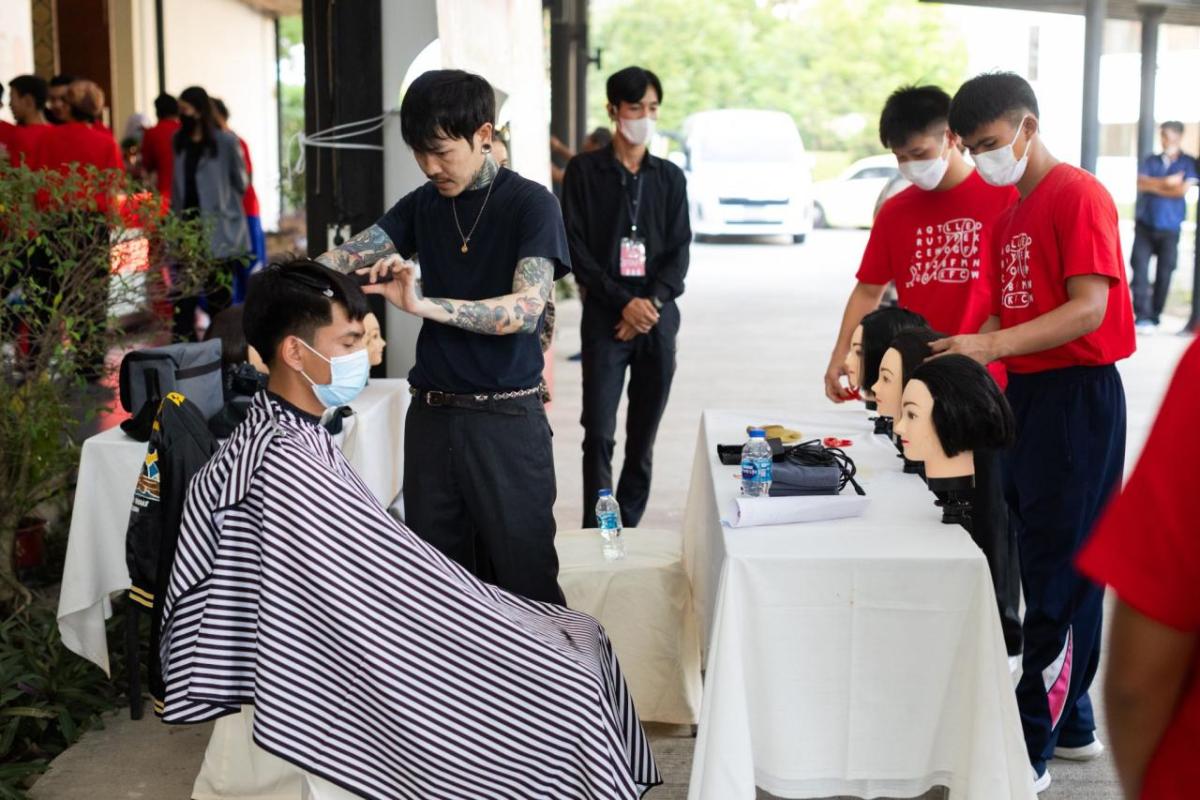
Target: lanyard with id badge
{"x": 633, "y": 247}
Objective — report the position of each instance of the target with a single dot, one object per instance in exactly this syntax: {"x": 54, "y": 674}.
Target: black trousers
{"x": 1064, "y": 467}
{"x": 650, "y": 361}
{"x": 479, "y": 486}
{"x": 996, "y": 534}
{"x": 218, "y": 294}
{"x": 1149, "y": 301}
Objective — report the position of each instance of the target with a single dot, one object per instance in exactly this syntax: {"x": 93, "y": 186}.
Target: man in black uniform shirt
{"x": 626, "y": 213}
{"x": 479, "y": 479}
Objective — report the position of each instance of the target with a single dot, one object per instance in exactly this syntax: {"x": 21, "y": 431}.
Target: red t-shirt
{"x": 23, "y": 142}
{"x": 78, "y": 142}
{"x": 1066, "y": 227}
{"x": 158, "y": 155}
{"x": 1147, "y": 548}
{"x": 936, "y": 246}
{"x": 249, "y": 199}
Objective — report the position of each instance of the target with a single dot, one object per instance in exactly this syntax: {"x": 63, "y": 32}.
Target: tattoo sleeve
{"x": 362, "y": 250}
{"x": 519, "y": 312}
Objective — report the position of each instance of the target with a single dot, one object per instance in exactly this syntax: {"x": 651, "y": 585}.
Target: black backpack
{"x": 147, "y": 376}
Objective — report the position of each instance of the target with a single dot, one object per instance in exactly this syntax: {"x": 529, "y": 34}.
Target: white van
{"x": 747, "y": 174}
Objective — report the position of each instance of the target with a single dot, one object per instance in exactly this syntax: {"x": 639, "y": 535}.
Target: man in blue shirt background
{"x": 1163, "y": 180}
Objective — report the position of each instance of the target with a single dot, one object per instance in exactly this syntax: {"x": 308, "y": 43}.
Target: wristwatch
{"x": 658, "y": 304}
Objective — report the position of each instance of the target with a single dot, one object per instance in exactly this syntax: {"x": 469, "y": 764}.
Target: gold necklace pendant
{"x": 464, "y": 247}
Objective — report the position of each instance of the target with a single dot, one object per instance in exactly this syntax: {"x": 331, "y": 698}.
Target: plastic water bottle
{"x": 608, "y": 514}
{"x": 756, "y": 465}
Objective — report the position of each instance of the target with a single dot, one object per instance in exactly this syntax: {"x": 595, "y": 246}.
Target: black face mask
{"x": 188, "y": 124}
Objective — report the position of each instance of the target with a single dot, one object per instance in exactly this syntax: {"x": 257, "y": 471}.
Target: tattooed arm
{"x": 518, "y": 312}
{"x": 360, "y": 251}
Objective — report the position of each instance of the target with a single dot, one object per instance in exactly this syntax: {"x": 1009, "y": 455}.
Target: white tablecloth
{"x": 108, "y": 470}
{"x": 644, "y": 603}
{"x": 857, "y": 656}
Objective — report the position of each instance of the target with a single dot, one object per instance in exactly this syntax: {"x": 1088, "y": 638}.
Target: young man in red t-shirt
{"x": 158, "y": 153}
{"x": 932, "y": 239}
{"x": 1147, "y": 549}
{"x": 1060, "y": 321}
{"x": 27, "y": 96}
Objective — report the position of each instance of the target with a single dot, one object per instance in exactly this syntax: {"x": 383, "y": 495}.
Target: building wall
{"x": 16, "y": 45}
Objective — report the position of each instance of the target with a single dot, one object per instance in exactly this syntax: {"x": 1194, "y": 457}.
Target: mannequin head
{"x": 950, "y": 408}
{"x": 906, "y": 352}
{"x": 373, "y": 337}
{"x": 854, "y": 360}
{"x": 879, "y": 328}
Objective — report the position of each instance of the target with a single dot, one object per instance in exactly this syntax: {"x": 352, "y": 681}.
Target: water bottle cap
{"x": 605, "y": 493}
{"x": 758, "y": 433}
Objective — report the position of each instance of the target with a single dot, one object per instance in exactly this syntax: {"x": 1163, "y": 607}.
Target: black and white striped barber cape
{"x": 371, "y": 659}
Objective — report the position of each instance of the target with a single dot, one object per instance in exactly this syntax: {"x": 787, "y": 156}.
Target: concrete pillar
{"x": 408, "y": 28}
{"x": 1151, "y": 17}
{"x": 1097, "y": 12}
{"x": 568, "y": 70}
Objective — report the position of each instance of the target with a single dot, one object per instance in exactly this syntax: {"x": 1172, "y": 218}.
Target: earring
{"x": 487, "y": 147}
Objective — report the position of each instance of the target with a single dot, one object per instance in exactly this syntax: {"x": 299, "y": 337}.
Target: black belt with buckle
{"x": 436, "y": 399}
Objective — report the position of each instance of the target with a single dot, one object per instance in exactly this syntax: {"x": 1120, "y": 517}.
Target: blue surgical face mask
{"x": 347, "y": 377}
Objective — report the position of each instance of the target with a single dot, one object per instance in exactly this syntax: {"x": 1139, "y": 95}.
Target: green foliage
{"x": 48, "y": 697}
{"x": 292, "y": 103}
{"x": 829, "y": 63}
{"x": 291, "y": 34}
{"x": 59, "y": 234}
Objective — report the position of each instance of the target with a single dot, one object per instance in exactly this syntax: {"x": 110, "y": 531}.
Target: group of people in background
{"x": 1016, "y": 260}
{"x": 189, "y": 156}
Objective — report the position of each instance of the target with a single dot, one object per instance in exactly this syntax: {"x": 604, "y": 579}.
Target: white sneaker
{"x": 1040, "y": 783}
{"x": 1086, "y": 753}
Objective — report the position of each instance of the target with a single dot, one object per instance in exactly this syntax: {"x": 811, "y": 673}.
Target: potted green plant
{"x": 62, "y": 240}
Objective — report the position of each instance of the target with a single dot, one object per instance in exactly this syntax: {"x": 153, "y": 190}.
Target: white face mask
{"x": 637, "y": 131}
{"x": 927, "y": 174}
{"x": 1000, "y": 167}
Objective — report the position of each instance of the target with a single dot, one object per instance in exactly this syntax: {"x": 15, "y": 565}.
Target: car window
{"x": 867, "y": 173}
{"x": 742, "y": 143}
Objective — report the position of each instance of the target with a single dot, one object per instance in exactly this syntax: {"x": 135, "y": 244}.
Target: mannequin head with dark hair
{"x": 879, "y": 328}
{"x": 906, "y": 352}
{"x": 950, "y": 408}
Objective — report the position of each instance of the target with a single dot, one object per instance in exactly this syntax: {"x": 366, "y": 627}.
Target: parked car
{"x": 849, "y": 200}
{"x": 748, "y": 174}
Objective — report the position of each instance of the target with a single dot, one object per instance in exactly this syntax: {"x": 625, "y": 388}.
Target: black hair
{"x": 198, "y": 99}
{"x": 913, "y": 346}
{"x": 227, "y": 326}
{"x": 969, "y": 411}
{"x": 31, "y": 86}
{"x": 879, "y": 329}
{"x": 166, "y": 106}
{"x": 62, "y": 80}
{"x": 220, "y": 107}
{"x": 989, "y": 97}
{"x": 445, "y": 104}
{"x": 629, "y": 85}
{"x": 1172, "y": 125}
{"x": 295, "y": 298}
{"x": 601, "y": 137}
{"x": 911, "y": 110}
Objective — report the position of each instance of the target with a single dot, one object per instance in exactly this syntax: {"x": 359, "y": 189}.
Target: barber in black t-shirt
{"x": 627, "y": 222}
{"x": 479, "y": 478}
